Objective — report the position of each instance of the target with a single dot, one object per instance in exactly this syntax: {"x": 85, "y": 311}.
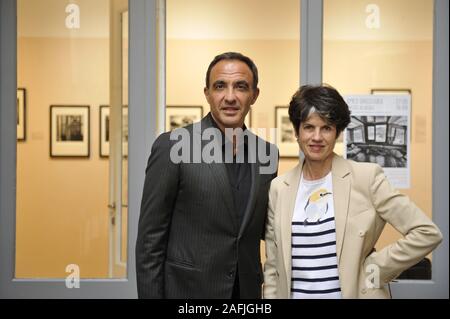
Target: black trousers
{"x": 236, "y": 291}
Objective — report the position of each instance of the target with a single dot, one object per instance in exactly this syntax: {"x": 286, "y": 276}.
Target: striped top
{"x": 314, "y": 261}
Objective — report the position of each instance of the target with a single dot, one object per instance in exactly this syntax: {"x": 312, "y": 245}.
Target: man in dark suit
{"x": 203, "y": 212}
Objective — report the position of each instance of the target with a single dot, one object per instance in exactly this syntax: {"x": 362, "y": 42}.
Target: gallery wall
{"x": 61, "y": 202}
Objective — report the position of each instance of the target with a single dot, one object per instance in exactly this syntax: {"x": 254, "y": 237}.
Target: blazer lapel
{"x": 291, "y": 181}
{"x": 341, "y": 196}
{"x": 219, "y": 171}
{"x": 254, "y": 188}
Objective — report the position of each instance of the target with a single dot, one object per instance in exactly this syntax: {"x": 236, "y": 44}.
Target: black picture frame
{"x": 178, "y": 116}
{"x": 21, "y": 114}
{"x": 69, "y": 131}
{"x": 104, "y": 131}
{"x": 285, "y": 134}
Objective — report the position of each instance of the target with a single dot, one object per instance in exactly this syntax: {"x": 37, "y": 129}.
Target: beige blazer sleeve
{"x": 421, "y": 235}
{"x": 270, "y": 269}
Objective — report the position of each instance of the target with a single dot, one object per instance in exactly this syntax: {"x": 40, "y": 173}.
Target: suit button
{"x": 363, "y": 291}
{"x": 361, "y": 233}
{"x": 231, "y": 274}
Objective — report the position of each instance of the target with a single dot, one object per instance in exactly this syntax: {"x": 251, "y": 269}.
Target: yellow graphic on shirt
{"x": 317, "y": 206}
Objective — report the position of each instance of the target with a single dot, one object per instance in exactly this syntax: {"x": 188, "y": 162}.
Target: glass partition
{"x": 265, "y": 30}
{"x": 67, "y": 216}
{"x": 385, "y": 47}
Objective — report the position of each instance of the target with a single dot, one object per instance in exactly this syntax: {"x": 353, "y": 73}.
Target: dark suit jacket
{"x": 189, "y": 239}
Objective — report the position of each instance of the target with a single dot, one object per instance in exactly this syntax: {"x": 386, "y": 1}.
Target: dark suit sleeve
{"x": 158, "y": 199}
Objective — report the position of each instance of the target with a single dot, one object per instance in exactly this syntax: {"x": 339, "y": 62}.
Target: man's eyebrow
{"x": 219, "y": 82}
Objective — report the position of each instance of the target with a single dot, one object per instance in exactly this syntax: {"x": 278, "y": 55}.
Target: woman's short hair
{"x": 323, "y": 100}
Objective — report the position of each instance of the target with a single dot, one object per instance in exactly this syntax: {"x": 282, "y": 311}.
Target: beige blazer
{"x": 363, "y": 201}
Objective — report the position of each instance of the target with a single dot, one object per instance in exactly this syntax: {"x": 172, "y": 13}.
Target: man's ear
{"x": 255, "y": 95}
{"x": 206, "y": 92}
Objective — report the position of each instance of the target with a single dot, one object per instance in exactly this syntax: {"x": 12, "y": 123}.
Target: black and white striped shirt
{"x": 314, "y": 261}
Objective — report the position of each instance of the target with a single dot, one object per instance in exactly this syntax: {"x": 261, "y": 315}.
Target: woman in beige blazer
{"x": 326, "y": 215}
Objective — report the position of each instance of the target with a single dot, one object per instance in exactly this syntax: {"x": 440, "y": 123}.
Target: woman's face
{"x": 317, "y": 138}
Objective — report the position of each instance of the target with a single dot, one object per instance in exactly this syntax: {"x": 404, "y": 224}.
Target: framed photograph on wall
{"x": 180, "y": 116}
{"x": 104, "y": 130}
{"x": 69, "y": 131}
{"x": 125, "y": 131}
{"x": 285, "y": 138}
{"x": 21, "y": 115}
{"x": 105, "y": 127}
